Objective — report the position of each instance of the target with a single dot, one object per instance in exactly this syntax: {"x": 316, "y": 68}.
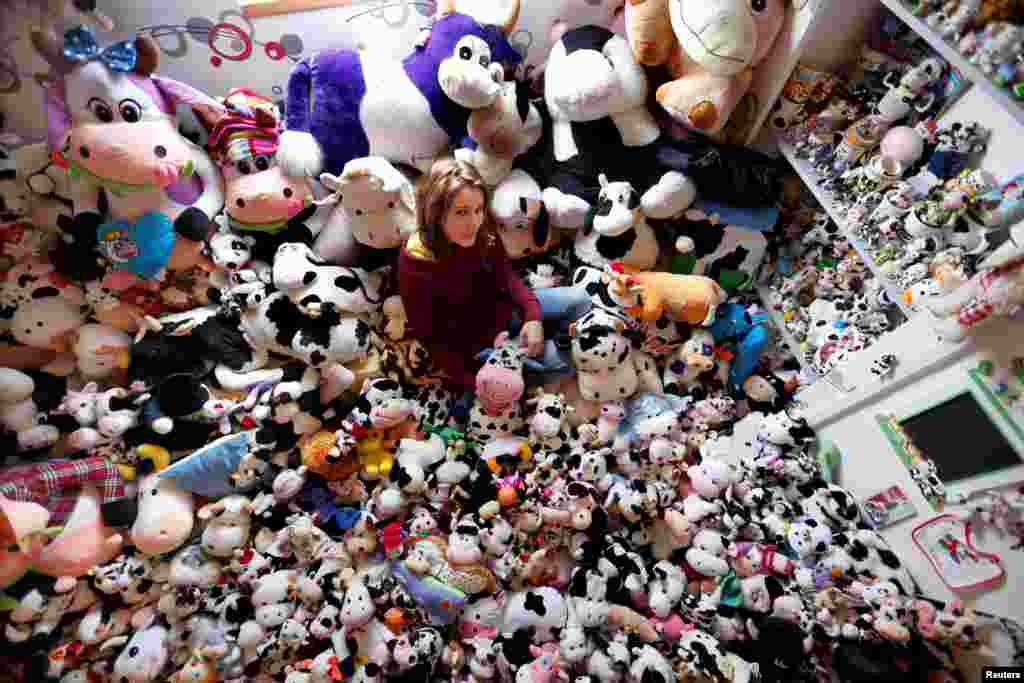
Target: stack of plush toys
{"x": 233, "y": 463}
{"x": 940, "y": 229}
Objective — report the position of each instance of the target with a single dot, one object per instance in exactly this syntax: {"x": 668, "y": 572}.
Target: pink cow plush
{"x": 499, "y": 383}
{"x": 114, "y": 123}
{"x": 261, "y": 201}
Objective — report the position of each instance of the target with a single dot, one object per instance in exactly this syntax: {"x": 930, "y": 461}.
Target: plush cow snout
{"x": 498, "y": 387}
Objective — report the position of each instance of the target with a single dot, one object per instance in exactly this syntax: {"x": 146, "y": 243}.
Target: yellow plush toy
{"x": 686, "y": 298}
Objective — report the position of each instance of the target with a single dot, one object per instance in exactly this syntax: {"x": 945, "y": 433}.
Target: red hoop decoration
{"x": 239, "y": 34}
{"x": 275, "y": 50}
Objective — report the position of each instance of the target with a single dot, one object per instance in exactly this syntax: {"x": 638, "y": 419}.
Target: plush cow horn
{"x": 513, "y": 17}
{"x": 49, "y": 48}
{"x": 147, "y": 59}
{"x": 446, "y": 7}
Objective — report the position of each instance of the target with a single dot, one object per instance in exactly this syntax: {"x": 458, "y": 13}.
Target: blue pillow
{"x": 207, "y": 471}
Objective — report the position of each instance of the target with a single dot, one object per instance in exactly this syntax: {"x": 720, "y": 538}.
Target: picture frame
{"x": 965, "y": 461}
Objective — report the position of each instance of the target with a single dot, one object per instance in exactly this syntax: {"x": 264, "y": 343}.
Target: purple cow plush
{"x": 344, "y": 104}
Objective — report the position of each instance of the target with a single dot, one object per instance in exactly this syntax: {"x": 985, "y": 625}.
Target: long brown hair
{"x": 436, "y": 193}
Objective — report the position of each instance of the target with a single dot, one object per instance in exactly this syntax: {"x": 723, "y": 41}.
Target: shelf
{"x": 780, "y": 325}
{"x": 810, "y": 179}
{"x": 774, "y": 70}
{"x": 1002, "y": 96}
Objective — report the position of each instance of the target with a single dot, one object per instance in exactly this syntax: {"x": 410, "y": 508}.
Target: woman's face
{"x": 465, "y": 217}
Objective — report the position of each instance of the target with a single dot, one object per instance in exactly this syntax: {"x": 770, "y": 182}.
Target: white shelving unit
{"x": 845, "y": 412}
{"x": 780, "y": 325}
{"x": 810, "y": 179}
{"x": 1001, "y": 96}
{"x": 772, "y": 73}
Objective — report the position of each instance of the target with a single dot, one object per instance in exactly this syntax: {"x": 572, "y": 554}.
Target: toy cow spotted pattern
{"x": 549, "y": 427}
{"x": 496, "y": 411}
{"x": 616, "y": 229}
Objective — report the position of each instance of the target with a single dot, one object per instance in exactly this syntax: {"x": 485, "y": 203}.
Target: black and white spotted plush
{"x": 504, "y": 363}
{"x": 883, "y": 367}
{"x": 433, "y": 405}
{"x": 549, "y": 427}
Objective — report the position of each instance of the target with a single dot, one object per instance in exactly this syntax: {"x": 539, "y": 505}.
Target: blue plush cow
{"x": 347, "y": 104}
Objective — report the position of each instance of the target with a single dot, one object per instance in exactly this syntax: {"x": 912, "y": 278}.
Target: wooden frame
{"x": 991, "y": 406}
{"x": 266, "y": 8}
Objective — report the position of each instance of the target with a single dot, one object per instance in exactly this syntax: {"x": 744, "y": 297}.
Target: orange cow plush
{"x": 686, "y": 298}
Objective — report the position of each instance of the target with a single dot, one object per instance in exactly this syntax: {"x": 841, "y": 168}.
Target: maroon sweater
{"x": 456, "y": 306}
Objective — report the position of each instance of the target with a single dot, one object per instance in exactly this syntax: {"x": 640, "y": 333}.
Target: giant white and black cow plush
{"x": 597, "y": 121}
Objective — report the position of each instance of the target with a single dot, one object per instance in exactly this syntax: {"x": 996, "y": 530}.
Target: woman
{"x": 459, "y": 288}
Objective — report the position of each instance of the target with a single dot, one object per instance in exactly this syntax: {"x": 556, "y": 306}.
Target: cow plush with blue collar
{"x": 344, "y": 104}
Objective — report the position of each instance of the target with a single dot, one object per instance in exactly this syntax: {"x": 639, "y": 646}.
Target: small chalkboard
{"x": 960, "y": 438}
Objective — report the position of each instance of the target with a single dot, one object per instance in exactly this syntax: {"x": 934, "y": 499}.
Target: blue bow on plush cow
{"x": 348, "y": 104}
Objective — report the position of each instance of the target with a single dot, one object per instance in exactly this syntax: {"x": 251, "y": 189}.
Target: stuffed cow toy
{"x": 525, "y": 229}
{"x": 710, "y": 49}
{"x": 344, "y": 104}
{"x": 114, "y": 123}
{"x": 501, "y": 132}
{"x": 374, "y": 212}
{"x": 596, "y": 119}
{"x": 262, "y": 202}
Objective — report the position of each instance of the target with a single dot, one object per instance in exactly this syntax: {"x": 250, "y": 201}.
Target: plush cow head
{"x": 110, "y": 115}
{"x": 469, "y": 54}
{"x": 617, "y": 209}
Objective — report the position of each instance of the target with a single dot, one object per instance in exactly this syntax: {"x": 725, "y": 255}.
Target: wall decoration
{"x": 962, "y": 437}
{"x": 1005, "y": 387}
{"x": 265, "y": 8}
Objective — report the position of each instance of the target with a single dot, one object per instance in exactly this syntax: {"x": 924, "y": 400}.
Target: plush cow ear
{"x": 147, "y": 55}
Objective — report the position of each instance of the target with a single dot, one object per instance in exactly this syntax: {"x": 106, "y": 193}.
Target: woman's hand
{"x": 531, "y": 337}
